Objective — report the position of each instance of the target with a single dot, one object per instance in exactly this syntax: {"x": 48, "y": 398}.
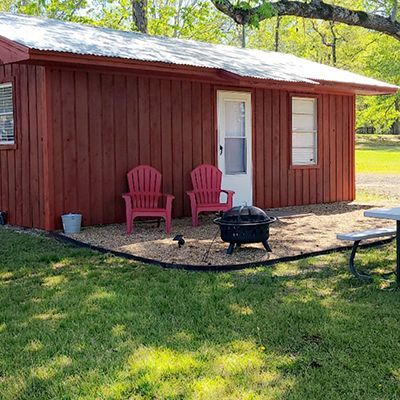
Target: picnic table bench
{"x": 357, "y": 237}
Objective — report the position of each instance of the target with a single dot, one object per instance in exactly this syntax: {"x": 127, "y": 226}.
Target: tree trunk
{"x": 334, "y": 43}
{"x": 396, "y": 125}
{"x": 277, "y": 32}
{"x": 139, "y": 14}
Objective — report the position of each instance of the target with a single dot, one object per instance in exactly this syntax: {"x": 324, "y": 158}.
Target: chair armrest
{"x": 126, "y": 196}
{"x": 229, "y": 200}
{"x": 168, "y": 200}
{"x": 128, "y": 201}
{"x": 192, "y": 198}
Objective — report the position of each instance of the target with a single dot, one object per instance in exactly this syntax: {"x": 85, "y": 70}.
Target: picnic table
{"x": 393, "y": 214}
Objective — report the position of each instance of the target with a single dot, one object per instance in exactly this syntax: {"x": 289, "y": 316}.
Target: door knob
{"x": 220, "y": 150}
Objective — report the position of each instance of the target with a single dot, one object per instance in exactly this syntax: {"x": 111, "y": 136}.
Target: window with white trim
{"x": 304, "y": 131}
{"x": 6, "y": 114}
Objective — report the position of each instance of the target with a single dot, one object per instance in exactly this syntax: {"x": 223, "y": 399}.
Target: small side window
{"x": 304, "y": 131}
{"x": 7, "y": 136}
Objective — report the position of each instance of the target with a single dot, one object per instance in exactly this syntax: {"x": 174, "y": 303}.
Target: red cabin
{"x": 81, "y": 106}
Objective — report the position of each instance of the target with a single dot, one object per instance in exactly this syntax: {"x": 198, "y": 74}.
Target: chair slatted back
{"x": 144, "y": 187}
{"x": 206, "y": 181}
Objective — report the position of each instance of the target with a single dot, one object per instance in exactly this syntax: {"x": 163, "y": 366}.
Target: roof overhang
{"x": 11, "y": 52}
{"x": 365, "y": 90}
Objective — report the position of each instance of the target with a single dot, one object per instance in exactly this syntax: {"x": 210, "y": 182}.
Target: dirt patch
{"x": 381, "y": 185}
{"x": 298, "y": 230}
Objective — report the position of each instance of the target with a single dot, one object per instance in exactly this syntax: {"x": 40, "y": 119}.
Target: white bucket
{"x": 71, "y": 223}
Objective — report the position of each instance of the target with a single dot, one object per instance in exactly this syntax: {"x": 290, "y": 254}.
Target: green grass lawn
{"x": 78, "y": 325}
{"x": 378, "y": 154}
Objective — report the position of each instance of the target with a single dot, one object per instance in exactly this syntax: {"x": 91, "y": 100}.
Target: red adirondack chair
{"x": 145, "y": 198}
{"x": 206, "y": 193}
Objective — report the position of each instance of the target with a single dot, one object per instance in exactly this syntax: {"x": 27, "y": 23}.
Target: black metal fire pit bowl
{"x": 244, "y": 224}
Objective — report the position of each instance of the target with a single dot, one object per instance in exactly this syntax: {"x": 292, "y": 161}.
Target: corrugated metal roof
{"x": 60, "y": 36}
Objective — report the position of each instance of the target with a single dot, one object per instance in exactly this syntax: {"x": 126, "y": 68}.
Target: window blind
{"x": 304, "y": 131}
{"x": 6, "y": 114}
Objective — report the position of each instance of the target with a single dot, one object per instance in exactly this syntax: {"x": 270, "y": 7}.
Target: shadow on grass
{"x": 381, "y": 147}
{"x": 74, "y": 324}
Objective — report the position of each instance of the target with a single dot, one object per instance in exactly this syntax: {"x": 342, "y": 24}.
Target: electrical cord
{"x": 207, "y": 252}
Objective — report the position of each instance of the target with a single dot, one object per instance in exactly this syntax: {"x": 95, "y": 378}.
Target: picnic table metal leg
{"x": 351, "y": 262}
{"x": 398, "y": 252}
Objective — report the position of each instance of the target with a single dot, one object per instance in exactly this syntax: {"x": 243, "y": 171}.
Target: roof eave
{"x": 216, "y": 75}
{"x": 365, "y": 90}
{"x": 47, "y": 57}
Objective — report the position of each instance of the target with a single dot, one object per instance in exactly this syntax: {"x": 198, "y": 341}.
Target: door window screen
{"x": 235, "y": 137}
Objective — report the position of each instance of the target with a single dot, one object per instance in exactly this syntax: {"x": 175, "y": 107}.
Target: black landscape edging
{"x": 210, "y": 268}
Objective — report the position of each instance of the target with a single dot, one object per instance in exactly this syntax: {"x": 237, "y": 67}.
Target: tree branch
{"x": 316, "y": 9}
{"x": 325, "y": 42}
{"x": 322, "y": 36}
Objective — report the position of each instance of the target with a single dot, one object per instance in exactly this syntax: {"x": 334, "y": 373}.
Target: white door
{"x": 234, "y": 144}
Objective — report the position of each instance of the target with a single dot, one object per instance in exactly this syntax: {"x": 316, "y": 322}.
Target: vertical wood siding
{"x": 105, "y": 124}
{"x": 102, "y": 124}
{"x": 21, "y": 169}
{"x": 276, "y": 183}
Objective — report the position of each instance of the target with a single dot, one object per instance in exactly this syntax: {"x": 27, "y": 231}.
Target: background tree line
{"x": 365, "y": 51}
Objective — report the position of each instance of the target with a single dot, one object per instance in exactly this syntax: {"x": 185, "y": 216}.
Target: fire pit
{"x": 244, "y": 224}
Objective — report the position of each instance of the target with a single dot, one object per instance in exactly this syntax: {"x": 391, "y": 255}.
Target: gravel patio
{"x": 299, "y": 230}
